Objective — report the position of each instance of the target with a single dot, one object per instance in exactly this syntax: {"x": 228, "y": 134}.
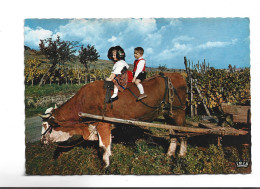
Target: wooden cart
{"x": 176, "y": 132}
{"x": 239, "y": 114}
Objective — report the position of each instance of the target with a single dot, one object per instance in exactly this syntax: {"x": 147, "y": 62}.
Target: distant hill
{"x": 99, "y": 64}
{"x": 31, "y": 54}
{"x": 27, "y": 48}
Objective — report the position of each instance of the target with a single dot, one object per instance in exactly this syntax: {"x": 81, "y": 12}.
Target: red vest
{"x": 136, "y": 63}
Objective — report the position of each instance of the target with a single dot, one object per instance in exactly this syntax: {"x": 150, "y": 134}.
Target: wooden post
{"x": 203, "y": 100}
{"x": 196, "y": 86}
{"x": 196, "y": 110}
{"x": 191, "y": 99}
{"x": 190, "y": 82}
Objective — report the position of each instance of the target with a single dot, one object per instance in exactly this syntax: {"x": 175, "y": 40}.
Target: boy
{"x": 139, "y": 71}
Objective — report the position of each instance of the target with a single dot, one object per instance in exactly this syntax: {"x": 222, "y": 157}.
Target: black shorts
{"x": 141, "y": 76}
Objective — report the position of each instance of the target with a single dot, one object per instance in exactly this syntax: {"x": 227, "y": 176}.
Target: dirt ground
{"x": 33, "y": 129}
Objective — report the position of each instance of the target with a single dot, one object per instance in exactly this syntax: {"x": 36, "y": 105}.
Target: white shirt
{"x": 139, "y": 67}
{"x": 118, "y": 66}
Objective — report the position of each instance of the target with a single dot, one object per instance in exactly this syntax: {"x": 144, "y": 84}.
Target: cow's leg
{"x": 183, "y": 147}
{"x": 173, "y": 145}
{"x": 104, "y": 132}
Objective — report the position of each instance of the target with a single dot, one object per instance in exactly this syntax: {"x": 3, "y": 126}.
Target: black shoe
{"x": 113, "y": 99}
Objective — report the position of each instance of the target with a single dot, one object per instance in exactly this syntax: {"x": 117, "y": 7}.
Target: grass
{"x": 141, "y": 159}
{"x": 133, "y": 155}
{"x": 49, "y": 90}
{"x": 37, "y": 92}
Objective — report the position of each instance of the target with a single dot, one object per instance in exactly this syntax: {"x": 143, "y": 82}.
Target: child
{"x": 119, "y": 71}
{"x": 139, "y": 71}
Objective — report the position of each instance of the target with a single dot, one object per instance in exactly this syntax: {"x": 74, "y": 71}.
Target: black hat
{"x": 120, "y": 53}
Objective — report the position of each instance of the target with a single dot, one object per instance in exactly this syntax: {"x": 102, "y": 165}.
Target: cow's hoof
{"x": 105, "y": 167}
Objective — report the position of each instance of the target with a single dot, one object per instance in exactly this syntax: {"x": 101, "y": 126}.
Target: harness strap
{"x": 50, "y": 127}
{"x": 164, "y": 96}
{"x": 179, "y": 98}
{"x": 108, "y": 85}
{"x": 172, "y": 92}
{"x": 155, "y": 107}
{"x": 119, "y": 83}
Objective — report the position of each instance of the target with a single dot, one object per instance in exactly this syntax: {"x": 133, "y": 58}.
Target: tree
{"x": 231, "y": 69}
{"x": 87, "y": 56}
{"x": 58, "y": 52}
{"x": 162, "y": 68}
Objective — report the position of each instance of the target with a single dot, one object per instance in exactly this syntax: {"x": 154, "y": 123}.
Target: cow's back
{"x": 90, "y": 99}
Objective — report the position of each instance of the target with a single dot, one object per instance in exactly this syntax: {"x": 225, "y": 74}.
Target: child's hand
{"x": 133, "y": 80}
{"x": 111, "y": 77}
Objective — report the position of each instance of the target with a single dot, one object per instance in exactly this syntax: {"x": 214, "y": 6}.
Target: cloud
{"x": 149, "y": 51}
{"x": 176, "y": 50}
{"x": 112, "y": 39}
{"x": 182, "y": 38}
{"x": 234, "y": 41}
{"x": 154, "y": 39}
{"x": 181, "y": 47}
{"x": 142, "y": 26}
{"x": 86, "y": 31}
{"x": 175, "y": 22}
{"x": 32, "y": 37}
{"x": 211, "y": 44}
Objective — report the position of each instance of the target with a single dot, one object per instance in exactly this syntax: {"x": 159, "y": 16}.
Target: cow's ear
{"x": 55, "y": 107}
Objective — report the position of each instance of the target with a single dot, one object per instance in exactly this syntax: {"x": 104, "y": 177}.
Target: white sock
{"x": 140, "y": 87}
{"x": 115, "y": 92}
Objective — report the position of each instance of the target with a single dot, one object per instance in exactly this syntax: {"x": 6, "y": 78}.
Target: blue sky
{"x": 220, "y": 41}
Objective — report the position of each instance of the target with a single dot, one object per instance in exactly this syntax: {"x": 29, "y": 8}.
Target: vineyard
{"x": 67, "y": 74}
{"x": 207, "y": 87}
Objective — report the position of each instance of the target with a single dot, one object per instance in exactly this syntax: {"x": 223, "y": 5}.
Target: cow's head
{"x": 49, "y": 134}
{"x": 46, "y": 127}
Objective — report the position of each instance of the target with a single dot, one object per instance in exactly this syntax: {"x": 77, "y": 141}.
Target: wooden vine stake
{"x": 191, "y": 81}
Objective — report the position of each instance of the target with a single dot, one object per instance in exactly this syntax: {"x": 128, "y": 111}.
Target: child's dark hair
{"x": 140, "y": 50}
{"x": 120, "y": 53}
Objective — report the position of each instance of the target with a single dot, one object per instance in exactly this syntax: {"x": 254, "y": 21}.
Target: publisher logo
{"x": 242, "y": 164}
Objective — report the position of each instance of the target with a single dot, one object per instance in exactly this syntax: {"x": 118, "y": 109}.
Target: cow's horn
{"x": 45, "y": 116}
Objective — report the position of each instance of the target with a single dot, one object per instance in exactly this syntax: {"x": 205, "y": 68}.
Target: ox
{"x": 59, "y": 124}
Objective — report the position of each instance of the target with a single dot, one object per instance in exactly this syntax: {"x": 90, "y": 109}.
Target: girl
{"x": 119, "y": 71}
